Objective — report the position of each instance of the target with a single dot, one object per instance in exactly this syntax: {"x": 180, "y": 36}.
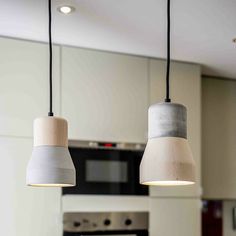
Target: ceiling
{"x": 202, "y": 30}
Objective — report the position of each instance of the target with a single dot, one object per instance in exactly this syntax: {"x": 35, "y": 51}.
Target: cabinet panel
{"x": 219, "y": 139}
{"x": 24, "y": 85}
{"x": 25, "y": 211}
{"x": 178, "y": 217}
{"x": 96, "y": 203}
{"x": 228, "y": 229}
{"x": 104, "y": 95}
{"x": 185, "y": 88}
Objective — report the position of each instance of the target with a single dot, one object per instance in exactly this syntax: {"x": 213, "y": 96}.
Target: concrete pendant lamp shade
{"x": 50, "y": 164}
{"x": 167, "y": 159}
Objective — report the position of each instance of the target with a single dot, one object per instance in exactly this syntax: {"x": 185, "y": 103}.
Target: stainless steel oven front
{"x": 105, "y": 223}
{"x": 106, "y": 168}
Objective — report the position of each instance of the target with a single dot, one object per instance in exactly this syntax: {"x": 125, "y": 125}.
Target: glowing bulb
{"x": 66, "y": 9}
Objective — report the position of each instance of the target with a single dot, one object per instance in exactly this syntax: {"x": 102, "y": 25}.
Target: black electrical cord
{"x": 168, "y": 55}
{"x": 50, "y": 113}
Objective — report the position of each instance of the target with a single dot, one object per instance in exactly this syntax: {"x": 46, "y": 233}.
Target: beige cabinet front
{"x": 219, "y": 139}
{"x": 24, "y": 85}
{"x": 175, "y": 217}
{"x": 104, "y": 95}
{"x": 25, "y": 211}
{"x": 185, "y": 88}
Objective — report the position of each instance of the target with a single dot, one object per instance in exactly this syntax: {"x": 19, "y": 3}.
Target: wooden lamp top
{"x": 50, "y": 131}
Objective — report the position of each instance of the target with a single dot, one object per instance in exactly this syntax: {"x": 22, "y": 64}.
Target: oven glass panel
{"x": 106, "y": 171}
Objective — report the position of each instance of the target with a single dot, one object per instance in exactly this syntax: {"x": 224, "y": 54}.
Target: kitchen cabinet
{"x": 178, "y": 217}
{"x": 185, "y": 88}
{"x": 24, "y": 85}
{"x": 25, "y": 211}
{"x": 228, "y": 229}
{"x": 104, "y": 95}
{"x": 219, "y": 138}
{"x": 104, "y": 203}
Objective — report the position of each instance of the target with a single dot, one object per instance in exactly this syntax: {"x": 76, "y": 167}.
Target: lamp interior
{"x": 51, "y": 185}
{"x": 169, "y": 183}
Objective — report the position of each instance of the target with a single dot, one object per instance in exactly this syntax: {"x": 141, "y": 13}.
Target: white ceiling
{"x": 202, "y": 30}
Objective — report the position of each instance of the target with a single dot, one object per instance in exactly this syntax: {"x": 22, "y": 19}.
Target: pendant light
{"x": 167, "y": 158}
{"x": 50, "y": 164}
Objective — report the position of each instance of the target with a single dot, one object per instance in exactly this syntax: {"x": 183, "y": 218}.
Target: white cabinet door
{"x": 228, "y": 229}
{"x": 111, "y": 203}
{"x": 219, "y": 139}
{"x": 25, "y": 211}
{"x": 175, "y": 217}
{"x": 24, "y": 85}
{"x": 185, "y": 88}
{"x": 104, "y": 95}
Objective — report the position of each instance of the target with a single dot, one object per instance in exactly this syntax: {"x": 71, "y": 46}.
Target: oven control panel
{"x": 104, "y": 221}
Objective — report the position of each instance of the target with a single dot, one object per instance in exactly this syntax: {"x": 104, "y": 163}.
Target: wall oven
{"x": 106, "y": 168}
{"x": 105, "y": 223}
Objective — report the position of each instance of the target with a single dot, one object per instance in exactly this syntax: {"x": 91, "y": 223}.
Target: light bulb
{"x": 66, "y": 9}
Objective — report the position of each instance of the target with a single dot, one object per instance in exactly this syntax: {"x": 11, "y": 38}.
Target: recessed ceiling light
{"x": 66, "y": 9}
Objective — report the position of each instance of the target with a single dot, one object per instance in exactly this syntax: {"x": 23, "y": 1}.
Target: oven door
{"x": 111, "y": 233}
{"x": 106, "y": 171}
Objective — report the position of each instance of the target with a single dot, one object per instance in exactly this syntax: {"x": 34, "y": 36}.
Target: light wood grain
{"x": 50, "y": 131}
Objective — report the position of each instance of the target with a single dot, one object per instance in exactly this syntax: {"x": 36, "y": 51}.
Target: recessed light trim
{"x": 66, "y": 9}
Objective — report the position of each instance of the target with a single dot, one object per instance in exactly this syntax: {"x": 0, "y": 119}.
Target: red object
{"x": 108, "y": 145}
{"x": 212, "y": 222}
